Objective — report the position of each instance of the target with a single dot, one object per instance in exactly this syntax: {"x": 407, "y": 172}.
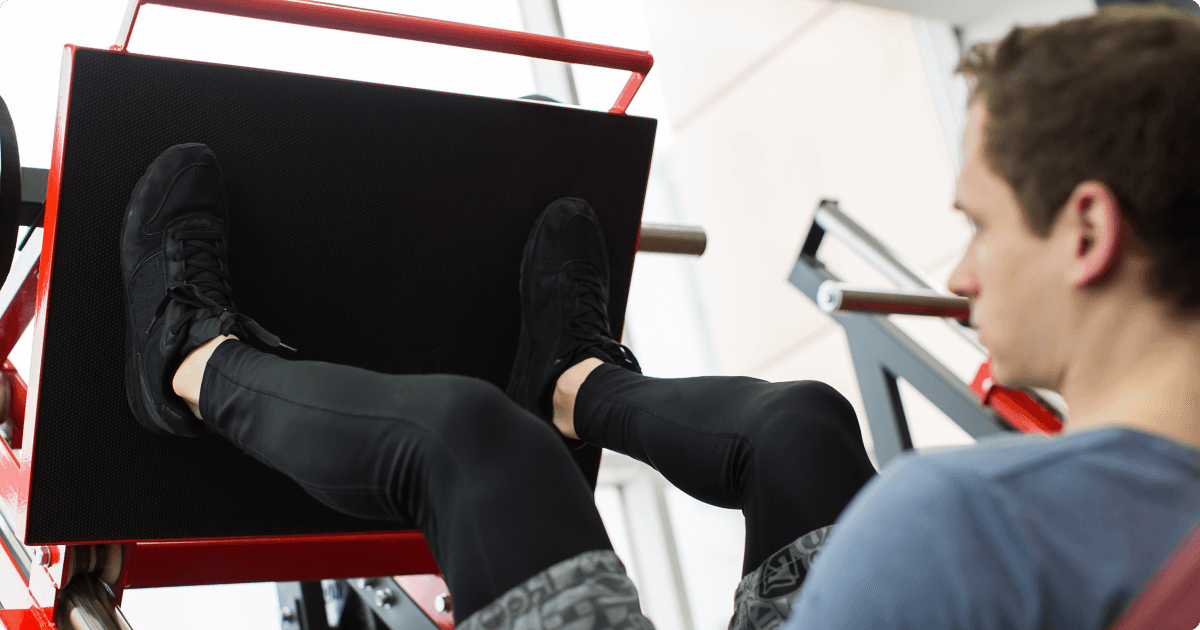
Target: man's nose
{"x": 962, "y": 281}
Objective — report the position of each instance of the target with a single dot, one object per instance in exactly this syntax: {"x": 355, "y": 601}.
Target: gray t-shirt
{"x": 1016, "y": 532}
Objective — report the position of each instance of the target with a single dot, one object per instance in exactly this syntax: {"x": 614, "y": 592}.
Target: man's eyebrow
{"x": 958, "y": 205}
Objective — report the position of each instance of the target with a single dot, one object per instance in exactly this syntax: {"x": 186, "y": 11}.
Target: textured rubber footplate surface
{"x": 374, "y": 226}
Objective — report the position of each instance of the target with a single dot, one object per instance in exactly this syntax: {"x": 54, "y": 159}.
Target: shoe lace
{"x": 204, "y": 286}
{"x": 589, "y": 320}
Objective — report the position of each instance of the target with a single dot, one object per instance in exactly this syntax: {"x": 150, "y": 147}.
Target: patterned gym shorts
{"x": 587, "y": 592}
{"x": 765, "y": 597}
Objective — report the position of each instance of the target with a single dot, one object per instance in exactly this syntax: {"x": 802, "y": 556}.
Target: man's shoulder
{"x": 1055, "y": 486}
{"x": 1020, "y": 457}
{"x": 1011, "y": 532}
{"x": 973, "y": 466}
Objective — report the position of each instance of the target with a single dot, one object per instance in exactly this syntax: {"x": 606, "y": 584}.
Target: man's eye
{"x": 975, "y": 226}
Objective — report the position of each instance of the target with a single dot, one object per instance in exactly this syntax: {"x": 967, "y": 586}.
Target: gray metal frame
{"x": 362, "y": 604}
{"x": 881, "y": 351}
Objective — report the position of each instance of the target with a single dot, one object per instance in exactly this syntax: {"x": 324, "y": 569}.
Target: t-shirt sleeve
{"x": 922, "y": 547}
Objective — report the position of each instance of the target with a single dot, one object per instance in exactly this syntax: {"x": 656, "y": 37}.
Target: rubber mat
{"x": 374, "y": 226}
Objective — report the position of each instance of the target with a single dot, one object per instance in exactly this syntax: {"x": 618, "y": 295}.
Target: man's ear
{"x": 1096, "y": 234}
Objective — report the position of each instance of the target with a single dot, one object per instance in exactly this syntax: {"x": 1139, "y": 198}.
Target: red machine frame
{"x": 1019, "y": 409}
{"x": 158, "y": 563}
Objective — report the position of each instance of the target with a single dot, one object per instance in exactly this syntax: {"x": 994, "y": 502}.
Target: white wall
{"x": 989, "y": 18}
{"x": 995, "y": 24}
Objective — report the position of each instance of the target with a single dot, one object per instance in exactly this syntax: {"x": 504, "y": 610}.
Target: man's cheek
{"x": 982, "y": 256}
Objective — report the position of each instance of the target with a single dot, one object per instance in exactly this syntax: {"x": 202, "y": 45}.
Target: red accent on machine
{"x": 357, "y": 20}
{"x": 1016, "y": 407}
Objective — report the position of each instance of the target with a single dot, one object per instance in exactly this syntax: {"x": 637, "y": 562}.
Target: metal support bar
{"x": 831, "y": 219}
{"x": 672, "y": 239}
{"x": 839, "y": 297}
{"x": 882, "y": 353}
{"x": 900, "y": 420}
{"x": 87, "y": 605}
{"x": 276, "y": 559}
{"x": 17, "y": 552}
{"x": 385, "y": 24}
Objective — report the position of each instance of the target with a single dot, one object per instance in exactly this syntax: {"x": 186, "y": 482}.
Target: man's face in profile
{"x": 1007, "y": 272}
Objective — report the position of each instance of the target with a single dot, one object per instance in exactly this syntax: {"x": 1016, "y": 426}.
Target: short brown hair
{"x": 1112, "y": 97}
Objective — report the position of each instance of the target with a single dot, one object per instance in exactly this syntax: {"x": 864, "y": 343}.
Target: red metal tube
{"x": 358, "y": 20}
{"x": 1016, "y": 407}
{"x": 275, "y": 559}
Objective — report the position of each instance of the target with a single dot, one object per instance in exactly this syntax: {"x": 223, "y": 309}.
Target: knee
{"x": 470, "y": 400}
{"x": 481, "y": 421}
{"x": 808, "y": 409}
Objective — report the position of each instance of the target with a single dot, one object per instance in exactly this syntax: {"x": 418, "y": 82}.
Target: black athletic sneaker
{"x": 176, "y": 277}
{"x": 564, "y": 304}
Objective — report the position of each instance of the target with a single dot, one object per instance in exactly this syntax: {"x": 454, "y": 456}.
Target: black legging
{"x": 493, "y": 489}
{"x": 789, "y": 455}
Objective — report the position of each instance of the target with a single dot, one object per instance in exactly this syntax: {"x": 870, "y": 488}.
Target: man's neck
{"x": 1145, "y": 376}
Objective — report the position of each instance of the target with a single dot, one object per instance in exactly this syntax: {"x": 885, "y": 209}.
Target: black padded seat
{"x": 371, "y": 225}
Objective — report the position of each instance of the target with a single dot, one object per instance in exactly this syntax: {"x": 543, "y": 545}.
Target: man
{"x": 1083, "y": 178}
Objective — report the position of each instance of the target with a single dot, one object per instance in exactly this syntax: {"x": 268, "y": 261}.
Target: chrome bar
{"x": 880, "y": 256}
{"x": 662, "y": 238}
{"x": 87, "y": 604}
{"x": 17, "y": 551}
{"x": 835, "y": 297}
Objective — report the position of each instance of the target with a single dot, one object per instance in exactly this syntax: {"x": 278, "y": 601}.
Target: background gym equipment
{"x": 882, "y": 352}
{"x": 371, "y": 225}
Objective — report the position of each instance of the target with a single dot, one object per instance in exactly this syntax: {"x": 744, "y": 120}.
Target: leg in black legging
{"x": 492, "y": 488}
{"x": 789, "y": 455}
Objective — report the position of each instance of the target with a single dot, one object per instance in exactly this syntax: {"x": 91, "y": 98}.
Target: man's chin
{"x": 1001, "y": 375}
{"x": 1005, "y": 376}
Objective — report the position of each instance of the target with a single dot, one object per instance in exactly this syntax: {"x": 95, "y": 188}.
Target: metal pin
{"x": 384, "y": 598}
